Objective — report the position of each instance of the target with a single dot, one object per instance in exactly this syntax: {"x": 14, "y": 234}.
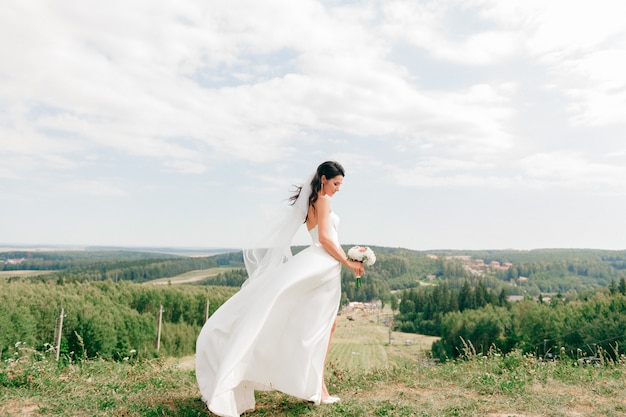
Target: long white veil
{"x": 268, "y": 242}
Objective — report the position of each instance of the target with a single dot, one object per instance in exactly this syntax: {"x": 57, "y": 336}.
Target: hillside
{"x": 110, "y": 367}
{"x": 373, "y": 378}
{"x": 527, "y": 272}
{"x": 570, "y": 298}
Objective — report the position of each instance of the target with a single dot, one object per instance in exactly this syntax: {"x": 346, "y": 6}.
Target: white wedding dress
{"x": 273, "y": 334}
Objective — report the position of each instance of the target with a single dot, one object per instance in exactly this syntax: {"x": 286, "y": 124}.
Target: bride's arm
{"x": 322, "y": 209}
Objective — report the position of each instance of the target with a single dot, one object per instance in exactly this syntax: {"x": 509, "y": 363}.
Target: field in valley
{"x": 190, "y": 277}
{"x": 23, "y": 273}
{"x": 362, "y": 342}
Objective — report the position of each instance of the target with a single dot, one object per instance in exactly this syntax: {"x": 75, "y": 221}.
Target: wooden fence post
{"x": 159, "y": 327}
{"x": 206, "y": 311}
{"x": 57, "y": 335}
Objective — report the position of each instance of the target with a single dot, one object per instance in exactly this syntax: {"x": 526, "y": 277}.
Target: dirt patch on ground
{"x": 19, "y": 409}
{"x": 188, "y": 363}
{"x": 508, "y": 415}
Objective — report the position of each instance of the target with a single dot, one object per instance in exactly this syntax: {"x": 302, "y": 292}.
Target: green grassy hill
{"x": 377, "y": 373}
{"x": 373, "y": 378}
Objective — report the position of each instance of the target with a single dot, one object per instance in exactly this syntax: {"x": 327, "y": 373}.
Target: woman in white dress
{"x": 275, "y": 332}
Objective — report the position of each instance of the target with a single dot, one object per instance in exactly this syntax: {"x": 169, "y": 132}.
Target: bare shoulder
{"x": 323, "y": 202}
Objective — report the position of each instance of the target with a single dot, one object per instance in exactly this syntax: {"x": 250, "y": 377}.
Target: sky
{"x": 476, "y": 124}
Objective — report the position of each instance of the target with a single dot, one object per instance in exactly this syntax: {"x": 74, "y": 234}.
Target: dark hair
{"x": 329, "y": 169}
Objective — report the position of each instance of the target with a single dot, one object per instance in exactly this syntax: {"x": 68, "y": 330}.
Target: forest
{"x": 590, "y": 329}
{"x": 105, "y": 319}
{"x": 545, "y": 302}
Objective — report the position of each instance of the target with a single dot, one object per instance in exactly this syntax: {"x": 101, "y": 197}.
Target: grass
{"x": 372, "y": 377}
{"x": 191, "y": 276}
{"x": 362, "y": 343}
{"x": 24, "y": 273}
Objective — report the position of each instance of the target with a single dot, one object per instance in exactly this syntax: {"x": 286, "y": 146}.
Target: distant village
{"x": 12, "y": 261}
{"x": 478, "y": 268}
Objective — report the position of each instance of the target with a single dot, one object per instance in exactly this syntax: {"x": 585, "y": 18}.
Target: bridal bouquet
{"x": 361, "y": 254}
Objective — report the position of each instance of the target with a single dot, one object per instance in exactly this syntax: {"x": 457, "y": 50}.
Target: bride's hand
{"x": 357, "y": 268}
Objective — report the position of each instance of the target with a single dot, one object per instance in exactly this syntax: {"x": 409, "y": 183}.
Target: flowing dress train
{"x": 273, "y": 334}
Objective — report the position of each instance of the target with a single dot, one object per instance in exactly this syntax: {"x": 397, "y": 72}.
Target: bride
{"x": 275, "y": 332}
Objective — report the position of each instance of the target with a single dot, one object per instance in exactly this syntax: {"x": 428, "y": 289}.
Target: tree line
{"x": 422, "y": 310}
{"x": 140, "y": 270}
{"x": 433, "y": 296}
{"x": 105, "y": 319}
{"x": 592, "y": 328}
{"x": 59, "y": 260}
{"x": 583, "y": 315}
{"x": 78, "y": 266}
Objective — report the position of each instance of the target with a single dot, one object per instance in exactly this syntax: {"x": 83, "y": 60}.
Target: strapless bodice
{"x": 333, "y": 221}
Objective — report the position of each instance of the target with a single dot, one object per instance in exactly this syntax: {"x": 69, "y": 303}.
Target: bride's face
{"x": 331, "y": 186}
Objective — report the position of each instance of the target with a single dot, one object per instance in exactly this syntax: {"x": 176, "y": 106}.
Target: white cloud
{"x": 583, "y": 46}
{"x": 525, "y": 96}
{"x": 597, "y": 87}
{"x": 616, "y": 154}
{"x": 14, "y": 167}
{"x": 129, "y": 89}
{"x": 185, "y": 167}
{"x": 441, "y": 172}
{"x": 426, "y": 25}
{"x": 97, "y": 188}
{"x": 553, "y": 170}
{"x": 572, "y": 169}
